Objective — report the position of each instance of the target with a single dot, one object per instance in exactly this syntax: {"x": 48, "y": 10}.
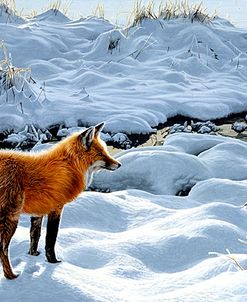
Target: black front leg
{"x": 51, "y": 236}
{"x": 35, "y": 231}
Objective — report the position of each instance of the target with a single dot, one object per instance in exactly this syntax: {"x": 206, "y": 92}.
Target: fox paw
{"x": 53, "y": 260}
{"x": 11, "y": 276}
{"x": 33, "y": 253}
{"x": 51, "y": 257}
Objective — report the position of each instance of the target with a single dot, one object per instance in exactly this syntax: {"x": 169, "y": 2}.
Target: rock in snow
{"x": 238, "y": 127}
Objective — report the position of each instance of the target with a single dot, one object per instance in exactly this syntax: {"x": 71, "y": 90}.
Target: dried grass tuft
{"x": 60, "y": 6}
{"x": 167, "y": 11}
{"x": 230, "y": 257}
{"x": 8, "y": 8}
{"x": 10, "y": 76}
{"x": 99, "y": 11}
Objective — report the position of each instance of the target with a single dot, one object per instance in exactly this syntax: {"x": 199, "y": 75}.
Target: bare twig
{"x": 230, "y": 257}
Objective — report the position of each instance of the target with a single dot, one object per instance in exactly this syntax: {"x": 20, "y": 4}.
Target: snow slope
{"x": 144, "y": 243}
{"x": 89, "y": 70}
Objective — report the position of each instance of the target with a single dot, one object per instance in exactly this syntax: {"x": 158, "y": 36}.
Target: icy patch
{"x": 64, "y": 132}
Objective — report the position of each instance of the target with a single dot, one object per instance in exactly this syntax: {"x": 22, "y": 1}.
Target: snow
{"x": 142, "y": 241}
{"x": 7, "y": 15}
{"x": 170, "y": 172}
{"x": 238, "y": 127}
{"x": 199, "y": 127}
{"x": 88, "y": 70}
{"x": 35, "y": 137}
{"x": 28, "y": 135}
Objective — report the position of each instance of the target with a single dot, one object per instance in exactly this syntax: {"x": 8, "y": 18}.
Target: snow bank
{"x": 154, "y": 169}
{"x": 184, "y": 160}
{"x": 90, "y": 71}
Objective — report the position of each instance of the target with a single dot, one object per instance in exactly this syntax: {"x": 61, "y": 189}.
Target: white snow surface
{"x": 87, "y": 71}
{"x": 143, "y": 243}
{"x": 183, "y": 161}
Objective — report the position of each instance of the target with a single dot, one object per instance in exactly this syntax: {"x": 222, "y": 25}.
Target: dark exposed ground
{"x": 157, "y": 138}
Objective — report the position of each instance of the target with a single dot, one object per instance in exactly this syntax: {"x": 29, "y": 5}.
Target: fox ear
{"x": 98, "y": 129}
{"x": 87, "y": 137}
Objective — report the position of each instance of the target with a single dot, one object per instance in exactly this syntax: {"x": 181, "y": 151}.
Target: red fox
{"x": 42, "y": 183}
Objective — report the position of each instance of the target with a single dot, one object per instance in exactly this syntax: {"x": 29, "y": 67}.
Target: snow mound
{"x": 133, "y": 79}
{"x": 162, "y": 171}
{"x": 194, "y": 143}
{"x": 137, "y": 244}
{"x": 52, "y": 15}
{"x": 156, "y": 170}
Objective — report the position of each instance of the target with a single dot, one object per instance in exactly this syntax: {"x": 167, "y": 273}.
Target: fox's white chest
{"x": 98, "y": 165}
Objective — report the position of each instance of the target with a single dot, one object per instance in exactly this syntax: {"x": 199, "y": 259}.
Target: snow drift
{"x": 177, "y": 166}
{"x": 87, "y": 71}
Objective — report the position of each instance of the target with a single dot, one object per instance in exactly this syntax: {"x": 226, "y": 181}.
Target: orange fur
{"x": 51, "y": 178}
{"x": 42, "y": 183}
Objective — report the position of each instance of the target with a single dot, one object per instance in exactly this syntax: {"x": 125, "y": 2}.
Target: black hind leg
{"x": 35, "y": 232}
{"x": 51, "y": 236}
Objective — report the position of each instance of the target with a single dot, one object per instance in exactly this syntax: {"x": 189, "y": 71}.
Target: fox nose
{"x": 119, "y": 165}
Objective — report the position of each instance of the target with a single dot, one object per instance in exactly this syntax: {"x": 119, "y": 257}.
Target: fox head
{"x": 96, "y": 150}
